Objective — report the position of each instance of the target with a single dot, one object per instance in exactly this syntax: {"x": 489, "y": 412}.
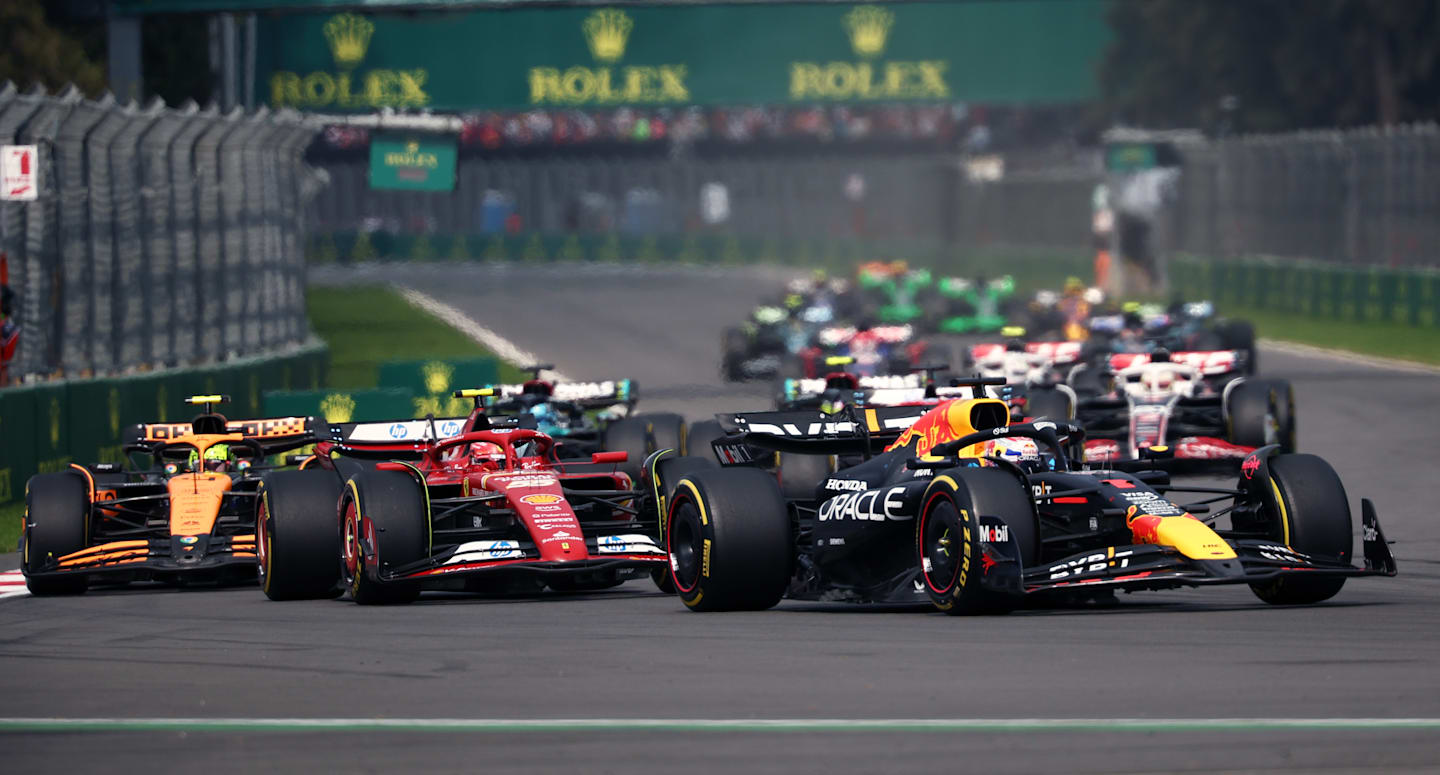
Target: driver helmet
{"x": 546, "y": 418}
{"x": 1015, "y": 449}
{"x": 216, "y": 458}
{"x": 486, "y": 452}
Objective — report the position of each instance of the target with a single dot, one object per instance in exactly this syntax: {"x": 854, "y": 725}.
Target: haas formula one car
{"x": 465, "y": 504}
{"x": 962, "y": 509}
{"x": 1195, "y": 405}
{"x": 189, "y": 514}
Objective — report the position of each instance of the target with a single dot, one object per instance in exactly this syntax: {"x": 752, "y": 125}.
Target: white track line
{"x": 1148, "y": 725}
{"x": 1345, "y": 356}
{"x": 467, "y": 325}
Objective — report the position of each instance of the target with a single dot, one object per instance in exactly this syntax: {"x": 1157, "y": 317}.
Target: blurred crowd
{"x": 955, "y": 128}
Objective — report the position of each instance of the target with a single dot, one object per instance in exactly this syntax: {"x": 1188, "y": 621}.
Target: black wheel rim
{"x": 686, "y": 545}
{"x": 941, "y": 543}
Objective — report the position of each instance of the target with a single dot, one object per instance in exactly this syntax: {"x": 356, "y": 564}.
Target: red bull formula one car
{"x": 385, "y": 510}
{"x": 957, "y": 506}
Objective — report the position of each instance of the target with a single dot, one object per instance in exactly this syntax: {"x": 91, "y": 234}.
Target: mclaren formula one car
{"x": 188, "y": 514}
{"x": 961, "y": 508}
{"x": 460, "y": 504}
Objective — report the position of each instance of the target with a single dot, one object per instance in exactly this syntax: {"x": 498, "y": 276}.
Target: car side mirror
{"x": 609, "y": 457}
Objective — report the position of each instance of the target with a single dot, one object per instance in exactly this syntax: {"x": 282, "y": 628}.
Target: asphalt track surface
{"x": 1188, "y": 656}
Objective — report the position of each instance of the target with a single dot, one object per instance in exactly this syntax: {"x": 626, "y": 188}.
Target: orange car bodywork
{"x": 195, "y": 500}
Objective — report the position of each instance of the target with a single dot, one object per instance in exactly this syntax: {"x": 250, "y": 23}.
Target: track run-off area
{"x": 169, "y": 679}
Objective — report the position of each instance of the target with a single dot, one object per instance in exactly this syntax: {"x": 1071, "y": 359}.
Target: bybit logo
{"x": 349, "y": 36}
{"x": 868, "y": 25}
{"x": 606, "y": 31}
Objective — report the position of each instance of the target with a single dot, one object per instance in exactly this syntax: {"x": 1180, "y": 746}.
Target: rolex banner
{"x": 996, "y": 51}
{"x": 414, "y": 163}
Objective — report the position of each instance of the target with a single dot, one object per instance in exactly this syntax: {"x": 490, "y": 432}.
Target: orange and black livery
{"x": 183, "y": 506}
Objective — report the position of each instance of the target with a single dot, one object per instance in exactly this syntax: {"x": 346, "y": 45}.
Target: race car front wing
{"x": 1150, "y": 566}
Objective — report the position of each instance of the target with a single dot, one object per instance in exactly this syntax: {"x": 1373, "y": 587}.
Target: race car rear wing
{"x": 857, "y": 431}
{"x": 797, "y": 388}
{"x": 275, "y": 429}
{"x": 396, "y": 431}
{"x": 1207, "y": 362}
{"x": 593, "y": 394}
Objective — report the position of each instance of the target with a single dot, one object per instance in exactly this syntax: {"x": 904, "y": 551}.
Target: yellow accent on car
{"x": 475, "y": 392}
{"x": 699, "y": 502}
{"x": 211, "y": 399}
{"x": 1192, "y": 538}
{"x": 839, "y": 360}
{"x": 1284, "y": 515}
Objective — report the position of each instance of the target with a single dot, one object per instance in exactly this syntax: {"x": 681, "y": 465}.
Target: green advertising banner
{"x": 995, "y": 51}
{"x": 368, "y": 405}
{"x": 412, "y": 162}
{"x": 46, "y": 427}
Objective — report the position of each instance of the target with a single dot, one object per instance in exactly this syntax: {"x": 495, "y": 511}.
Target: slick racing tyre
{"x": 1240, "y": 335}
{"x": 1250, "y": 414}
{"x": 729, "y": 542}
{"x": 947, "y": 536}
{"x": 384, "y": 526}
{"x": 631, "y": 436}
{"x": 667, "y": 431}
{"x": 57, "y": 523}
{"x": 1283, "y": 395}
{"x": 297, "y": 537}
{"x": 734, "y": 347}
{"x": 701, "y": 434}
{"x": 800, "y": 475}
{"x": 1311, "y": 514}
{"x": 671, "y": 470}
{"x": 1049, "y": 403}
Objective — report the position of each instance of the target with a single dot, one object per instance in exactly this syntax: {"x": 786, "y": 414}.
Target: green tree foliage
{"x": 32, "y": 50}
{"x": 1288, "y": 63}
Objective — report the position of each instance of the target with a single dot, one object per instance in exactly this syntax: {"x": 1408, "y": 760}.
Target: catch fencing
{"x": 161, "y": 237}
{"x": 763, "y": 198}
{"x": 1362, "y": 198}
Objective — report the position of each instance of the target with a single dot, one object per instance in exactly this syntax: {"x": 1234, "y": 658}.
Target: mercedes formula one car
{"x": 461, "y": 504}
{"x": 587, "y": 417}
{"x": 188, "y": 514}
{"x": 956, "y": 506}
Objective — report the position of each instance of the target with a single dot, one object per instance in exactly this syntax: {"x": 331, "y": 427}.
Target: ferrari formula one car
{"x": 189, "y": 514}
{"x": 960, "y": 508}
{"x": 462, "y": 504}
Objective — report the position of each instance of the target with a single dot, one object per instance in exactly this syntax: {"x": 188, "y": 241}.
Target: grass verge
{"x": 1385, "y": 340}
{"x": 11, "y": 515}
{"x": 368, "y": 325}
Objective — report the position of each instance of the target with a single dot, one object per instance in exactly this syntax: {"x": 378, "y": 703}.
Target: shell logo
{"x": 539, "y": 499}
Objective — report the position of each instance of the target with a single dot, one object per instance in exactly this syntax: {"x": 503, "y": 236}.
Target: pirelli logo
{"x": 280, "y": 427}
